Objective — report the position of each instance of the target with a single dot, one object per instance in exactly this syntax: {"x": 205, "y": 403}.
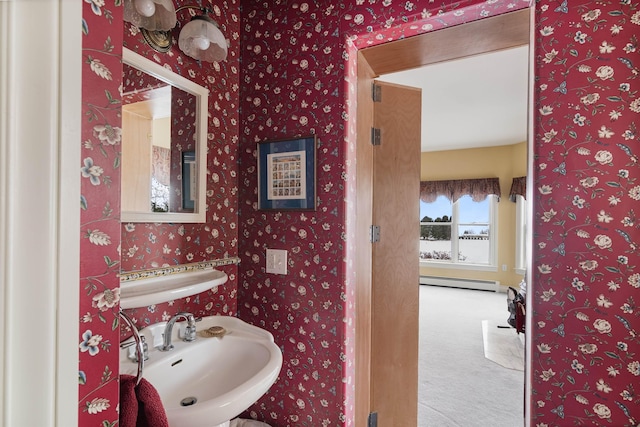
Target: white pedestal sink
{"x": 207, "y": 382}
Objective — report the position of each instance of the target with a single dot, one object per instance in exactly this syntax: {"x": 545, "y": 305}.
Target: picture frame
{"x": 189, "y": 180}
{"x": 287, "y": 174}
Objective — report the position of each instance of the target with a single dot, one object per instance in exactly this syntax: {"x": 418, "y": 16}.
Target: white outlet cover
{"x": 276, "y": 261}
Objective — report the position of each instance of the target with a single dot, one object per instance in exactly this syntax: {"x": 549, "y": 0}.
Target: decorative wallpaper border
{"x": 129, "y": 276}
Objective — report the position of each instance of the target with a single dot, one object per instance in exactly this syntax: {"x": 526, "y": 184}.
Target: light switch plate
{"x": 276, "y": 261}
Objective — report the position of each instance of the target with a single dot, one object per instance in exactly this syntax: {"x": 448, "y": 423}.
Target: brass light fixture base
{"x": 159, "y": 40}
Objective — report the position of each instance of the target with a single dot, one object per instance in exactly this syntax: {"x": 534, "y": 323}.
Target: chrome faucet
{"x": 189, "y": 331}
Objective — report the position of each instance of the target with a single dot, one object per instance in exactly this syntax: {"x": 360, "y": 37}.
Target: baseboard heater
{"x": 452, "y": 282}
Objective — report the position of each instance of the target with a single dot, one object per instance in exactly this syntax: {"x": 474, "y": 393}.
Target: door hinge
{"x": 376, "y": 136}
{"x": 373, "y": 420}
{"x": 376, "y": 92}
{"x": 374, "y": 233}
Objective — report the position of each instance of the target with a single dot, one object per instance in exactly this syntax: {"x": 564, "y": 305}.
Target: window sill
{"x": 453, "y": 266}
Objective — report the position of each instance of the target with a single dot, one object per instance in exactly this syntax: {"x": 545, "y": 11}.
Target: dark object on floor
{"x": 517, "y": 309}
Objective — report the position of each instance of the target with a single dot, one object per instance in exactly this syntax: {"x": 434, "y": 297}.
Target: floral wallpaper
{"x": 291, "y": 54}
{"x": 108, "y": 246}
{"x": 291, "y": 74}
{"x": 586, "y": 362}
{"x": 154, "y": 245}
{"x": 100, "y": 214}
{"x": 151, "y": 245}
{"x": 183, "y": 129}
{"x": 297, "y": 78}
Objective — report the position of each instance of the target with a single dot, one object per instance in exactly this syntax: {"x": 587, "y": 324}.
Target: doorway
{"x": 474, "y": 126}
{"x": 497, "y": 33}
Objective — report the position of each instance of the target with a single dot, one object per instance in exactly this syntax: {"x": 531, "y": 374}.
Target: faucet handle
{"x": 134, "y": 349}
{"x": 190, "y": 329}
{"x": 145, "y": 348}
{"x": 189, "y": 333}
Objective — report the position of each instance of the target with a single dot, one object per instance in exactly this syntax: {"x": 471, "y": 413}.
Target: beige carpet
{"x": 503, "y": 345}
{"x": 458, "y": 385}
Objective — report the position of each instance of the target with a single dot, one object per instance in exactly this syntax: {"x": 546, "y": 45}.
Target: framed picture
{"x": 188, "y": 180}
{"x": 287, "y": 174}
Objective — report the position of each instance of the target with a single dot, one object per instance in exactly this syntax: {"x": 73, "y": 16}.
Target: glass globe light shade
{"x": 202, "y": 39}
{"x": 162, "y": 14}
{"x": 145, "y": 8}
{"x": 202, "y": 43}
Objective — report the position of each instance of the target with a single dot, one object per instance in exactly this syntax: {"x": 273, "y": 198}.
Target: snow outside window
{"x": 458, "y": 234}
{"x": 521, "y": 234}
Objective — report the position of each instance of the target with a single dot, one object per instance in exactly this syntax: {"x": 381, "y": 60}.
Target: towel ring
{"x": 139, "y": 345}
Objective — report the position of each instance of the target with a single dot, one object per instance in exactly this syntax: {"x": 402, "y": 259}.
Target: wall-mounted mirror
{"x": 164, "y": 144}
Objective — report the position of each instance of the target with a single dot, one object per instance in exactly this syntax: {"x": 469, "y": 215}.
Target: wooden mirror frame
{"x": 202, "y": 102}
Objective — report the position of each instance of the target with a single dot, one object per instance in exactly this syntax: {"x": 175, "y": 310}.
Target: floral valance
{"x": 478, "y": 189}
{"x": 518, "y": 188}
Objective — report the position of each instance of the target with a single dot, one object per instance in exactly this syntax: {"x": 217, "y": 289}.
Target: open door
{"x": 395, "y": 265}
{"x": 386, "y": 297}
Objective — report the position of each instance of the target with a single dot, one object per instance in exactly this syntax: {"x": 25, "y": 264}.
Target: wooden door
{"x": 137, "y": 130}
{"x": 363, "y": 248}
{"x": 381, "y": 314}
{"x": 395, "y": 266}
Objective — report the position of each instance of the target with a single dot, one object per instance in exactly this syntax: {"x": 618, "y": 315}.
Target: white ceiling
{"x": 472, "y": 102}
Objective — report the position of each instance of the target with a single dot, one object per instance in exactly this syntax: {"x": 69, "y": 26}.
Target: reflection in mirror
{"x": 163, "y": 144}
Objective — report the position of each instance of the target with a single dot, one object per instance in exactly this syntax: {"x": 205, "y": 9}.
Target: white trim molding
{"x": 40, "y": 83}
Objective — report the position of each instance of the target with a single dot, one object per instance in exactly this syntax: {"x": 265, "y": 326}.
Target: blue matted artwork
{"x": 287, "y": 174}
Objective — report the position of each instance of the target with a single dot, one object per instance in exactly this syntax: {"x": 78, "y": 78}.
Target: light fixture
{"x": 152, "y": 15}
{"x": 201, "y": 39}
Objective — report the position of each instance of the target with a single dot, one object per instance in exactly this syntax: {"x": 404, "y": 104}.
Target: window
{"x": 521, "y": 234}
{"x": 471, "y": 224}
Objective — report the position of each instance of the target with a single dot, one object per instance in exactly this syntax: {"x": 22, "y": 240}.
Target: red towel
{"x": 140, "y": 406}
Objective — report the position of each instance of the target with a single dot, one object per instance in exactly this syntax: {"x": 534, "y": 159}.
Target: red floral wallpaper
{"x": 586, "y": 362}
{"x": 183, "y": 131}
{"x": 292, "y": 66}
{"x": 292, "y": 53}
{"x": 100, "y": 214}
{"x": 108, "y": 246}
{"x": 297, "y": 78}
{"x": 153, "y": 245}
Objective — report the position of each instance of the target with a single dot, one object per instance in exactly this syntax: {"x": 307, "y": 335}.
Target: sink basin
{"x": 209, "y": 381}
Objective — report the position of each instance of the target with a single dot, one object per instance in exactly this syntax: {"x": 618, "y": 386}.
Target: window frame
{"x": 493, "y": 241}
{"x": 521, "y": 235}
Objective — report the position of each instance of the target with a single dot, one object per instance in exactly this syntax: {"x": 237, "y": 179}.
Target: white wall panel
{"x": 40, "y": 85}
